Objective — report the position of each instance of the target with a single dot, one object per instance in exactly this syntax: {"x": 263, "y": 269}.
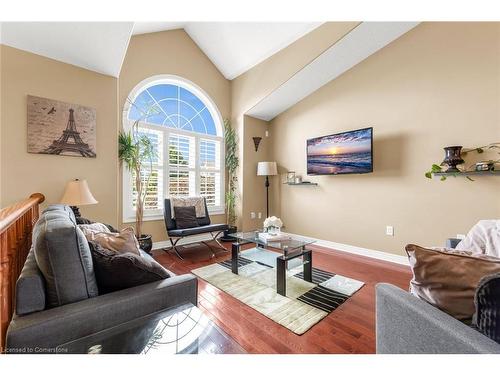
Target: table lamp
{"x": 267, "y": 168}
{"x": 77, "y": 193}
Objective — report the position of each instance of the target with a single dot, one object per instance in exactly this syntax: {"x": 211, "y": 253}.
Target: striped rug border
{"x": 323, "y": 298}
{"x": 320, "y": 297}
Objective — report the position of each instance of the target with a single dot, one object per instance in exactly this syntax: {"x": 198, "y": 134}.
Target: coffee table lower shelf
{"x": 281, "y": 265}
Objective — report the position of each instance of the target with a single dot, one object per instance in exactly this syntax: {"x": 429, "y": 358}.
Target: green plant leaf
{"x": 469, "y": 178}
{"x": 436, "y": 168}
{"x": 443, "y": 178}
{"x": 428, "y": 174}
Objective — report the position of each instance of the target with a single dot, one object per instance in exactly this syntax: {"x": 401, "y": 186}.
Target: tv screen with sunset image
{"x": 342, "y": 153}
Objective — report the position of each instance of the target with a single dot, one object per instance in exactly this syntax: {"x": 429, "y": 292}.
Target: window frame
{"x": 128, "y": 212}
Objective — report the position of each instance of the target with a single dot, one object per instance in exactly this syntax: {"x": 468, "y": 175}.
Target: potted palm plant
{"x": 136, "y": 150}
{"x": 231, "y": 162}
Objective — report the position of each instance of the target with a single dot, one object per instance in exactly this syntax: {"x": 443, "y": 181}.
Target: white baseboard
{"x": 370, "y": 253}
{"x": 191, "y": 239}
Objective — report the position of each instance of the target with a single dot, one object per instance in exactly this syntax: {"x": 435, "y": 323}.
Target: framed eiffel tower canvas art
{"x": 60, "y": 128}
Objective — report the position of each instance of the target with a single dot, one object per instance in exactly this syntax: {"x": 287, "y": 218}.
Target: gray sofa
{"x": 408, "y": 325}
{"x": 36, "y": 325}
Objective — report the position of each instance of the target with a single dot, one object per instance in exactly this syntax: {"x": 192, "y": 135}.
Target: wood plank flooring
{"x": 348, "y": 329}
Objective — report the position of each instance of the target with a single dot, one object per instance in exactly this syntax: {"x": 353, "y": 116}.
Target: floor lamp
{"x": 267, "y": 168}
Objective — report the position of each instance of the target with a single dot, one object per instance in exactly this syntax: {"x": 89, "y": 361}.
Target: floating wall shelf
{"x": 465, "y": 174}
{"x": 301, "y": 183}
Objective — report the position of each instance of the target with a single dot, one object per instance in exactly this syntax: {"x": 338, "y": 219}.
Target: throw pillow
{"x": 447, "y": 279}
{"x": 93, "y": 228}
{"x": 115, "y": 271}
{"x": 487, "y": 300}
{"x": 122, "y": 242}
{"x": 185, "y": 217}
{"x": 82, "y": 220}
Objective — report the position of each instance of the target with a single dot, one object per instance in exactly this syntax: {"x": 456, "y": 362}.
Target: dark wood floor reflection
{"x": 348, "y": 329}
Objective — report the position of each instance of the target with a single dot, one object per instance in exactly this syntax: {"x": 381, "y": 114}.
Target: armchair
{"x": 204, "y": 226}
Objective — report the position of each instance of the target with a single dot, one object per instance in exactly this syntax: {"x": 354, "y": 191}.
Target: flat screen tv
{"x": 342, "y": 153}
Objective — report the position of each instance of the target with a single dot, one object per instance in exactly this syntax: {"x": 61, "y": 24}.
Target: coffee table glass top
{"x": 290, "y": 243}
{"x": 185, "y": 330}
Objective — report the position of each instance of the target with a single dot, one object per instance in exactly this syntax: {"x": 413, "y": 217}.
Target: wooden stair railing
{"x": 16, "y": 225}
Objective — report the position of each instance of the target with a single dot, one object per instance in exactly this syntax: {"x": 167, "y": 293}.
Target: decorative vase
{"x": 452, "y": 158}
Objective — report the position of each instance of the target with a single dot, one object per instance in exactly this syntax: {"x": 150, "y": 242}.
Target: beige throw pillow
{"x": 89, "y": 229}
{"x": 448, "y": 279}
{"x": 122, "y": 242}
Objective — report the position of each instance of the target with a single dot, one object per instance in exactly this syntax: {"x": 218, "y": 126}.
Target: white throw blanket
{"x": 483, "y": 238}
{"x": 197, "y": 202}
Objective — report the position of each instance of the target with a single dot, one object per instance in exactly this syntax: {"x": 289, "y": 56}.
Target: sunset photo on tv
{"x": 343, "y": 153}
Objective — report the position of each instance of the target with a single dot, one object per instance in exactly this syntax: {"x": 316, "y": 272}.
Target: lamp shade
{"x": 267, "y": 168}
{"x": 77, "y": 193}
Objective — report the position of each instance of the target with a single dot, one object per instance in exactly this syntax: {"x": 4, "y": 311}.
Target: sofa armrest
{"x": 53, "y": 327}
{"x": 408, "y": 325}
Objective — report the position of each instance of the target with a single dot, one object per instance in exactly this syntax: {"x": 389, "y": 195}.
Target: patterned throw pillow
{"x": 487, "y": 300}
{"x": 122, "y": 242}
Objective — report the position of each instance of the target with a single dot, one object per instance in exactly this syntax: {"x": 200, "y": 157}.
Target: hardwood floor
{"x": 348, "y": 329}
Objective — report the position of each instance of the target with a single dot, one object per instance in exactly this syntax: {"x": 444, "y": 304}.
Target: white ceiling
{"x": 97, "y": 46}
{"x": 235, "y": 47}
{"x": 363, "y": 41}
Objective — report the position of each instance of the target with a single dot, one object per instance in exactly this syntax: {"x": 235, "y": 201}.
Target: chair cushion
{"x": 30, "y": 288}
{"x": 487, "y": 300}
{"x": 116, "y": 271}
{"x": 63, "y": 256}
{"x": 185, "y": 217}
{"x": 197, "y": 230}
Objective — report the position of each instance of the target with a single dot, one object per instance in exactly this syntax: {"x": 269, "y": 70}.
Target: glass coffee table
{"x": 184, "y": 330}
{"x": 291, "y": 248}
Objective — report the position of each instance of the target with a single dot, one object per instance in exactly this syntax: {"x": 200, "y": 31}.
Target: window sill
{"x": 127, "y": 220}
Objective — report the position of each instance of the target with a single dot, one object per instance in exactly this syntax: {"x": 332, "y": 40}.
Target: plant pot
{"x": 145, "y": 243}
{"x": 226, "y": 237}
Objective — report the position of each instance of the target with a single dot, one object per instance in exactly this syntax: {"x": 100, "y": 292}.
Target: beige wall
{"x": 171, "y": 52}
{"x": 23, "y": 173}
{"x": 255, "y": 192}
{"x": 254, "y": 85}
{"x": 437, "y": 85}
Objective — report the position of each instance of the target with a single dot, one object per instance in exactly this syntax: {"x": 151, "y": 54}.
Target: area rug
{"x": 305, "y": 303}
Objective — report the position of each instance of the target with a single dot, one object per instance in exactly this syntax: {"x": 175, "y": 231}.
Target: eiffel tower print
{"x": 63, "y": 144}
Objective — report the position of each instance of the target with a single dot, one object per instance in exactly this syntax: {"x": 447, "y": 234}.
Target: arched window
{"x": 186, "y": 127}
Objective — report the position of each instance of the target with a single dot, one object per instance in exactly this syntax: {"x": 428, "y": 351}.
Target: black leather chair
{"x": 204, "y": 226}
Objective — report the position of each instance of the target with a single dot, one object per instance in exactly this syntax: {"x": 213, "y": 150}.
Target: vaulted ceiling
{"x": 233, "y": 47}
{"x": 101, "y": 46}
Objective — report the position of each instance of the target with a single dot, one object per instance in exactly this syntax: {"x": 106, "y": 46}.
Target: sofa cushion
{"x": 487, "y": 300}
{"x": 197, "y": 230}
{"x": 448, "y": 279}
{"x": 116, "y": 271}
{"x": 30, "y": 288}
{"x": 63, "y": 256}
{"x": 185, "y": 217}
